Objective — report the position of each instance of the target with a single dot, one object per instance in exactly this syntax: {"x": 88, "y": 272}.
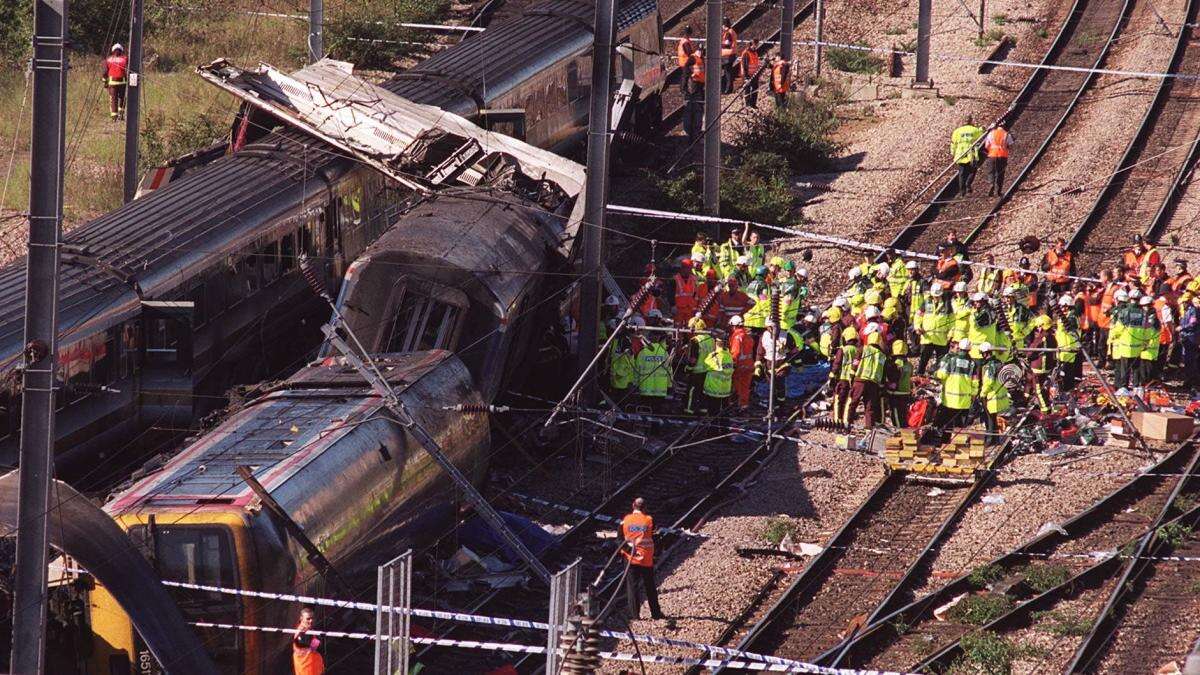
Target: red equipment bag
{"x": 917, "y": 412}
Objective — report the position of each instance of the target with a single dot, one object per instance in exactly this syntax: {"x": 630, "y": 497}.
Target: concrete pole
{"x": 596, "y": 196}
{"x": 133, "y": 100}
{"x": 819, "y": 49}
{"x": 924, "y": 26}
{"x": 316, "y": 30}
{"x": 712, "y": 115}
{"x": 787, "y": 15}
{"x": 41, "y": 333}
{"x": 982, "y": 10}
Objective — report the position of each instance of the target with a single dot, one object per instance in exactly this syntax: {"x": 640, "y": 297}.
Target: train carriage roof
{"x": 208, "y": 213}
{"x": 498, "y": 244}
{"x": 491, "y": 63}
{"x": 279, "y": 432}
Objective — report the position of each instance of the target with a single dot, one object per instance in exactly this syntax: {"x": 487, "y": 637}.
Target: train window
{"x": 162, "y": 340}
{"x": 129, "y": 349}
{"x": 268, "y": 262}
{"x": 204, "y": 555}
{"x": 350, "y": 212}
{"x": 427, "y": 317}
{"x": 287, "y": 253}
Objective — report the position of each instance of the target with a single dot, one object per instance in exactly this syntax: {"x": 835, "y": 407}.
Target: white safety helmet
{"x": 855, "y": 273}
{"x": 1009, "y": 291}
{"x": 811, "y": 318}
{"x": 654, "y": 314}
{"x": 735, "y": 320}
{"x": 637, "y": 321}
{"x": 1146, "y": 300}
{"x": 910, "y": 265}
{"x": 743, "y": 260}
{"x": 978, "y": 297}
{"x": 840, "y": 303}
{"x": 1134, "y": 294}
{"x": 1065, "y": 301}
{"x": 964, "y": 344}
{"x": 1120, "y": 296}
{"x": 870, "y": 328}
{"x": 116, "y": 46}
{"x": 802, "y": 273}
{"x": 960, "y": 287}
{"x": 872, "y": 312}
{"x": 697, "y": 257}
{"x": 612, "y": 301}
{"x": 936, "y": 290}
{"x": 985, "y": 347}
{"x": 883, "y": 267}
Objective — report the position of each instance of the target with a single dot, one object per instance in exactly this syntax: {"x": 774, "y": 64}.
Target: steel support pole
{"x": 818, "y": 38}
{"x": 712, "y": 115}
{"x": 787, "y": 16}
{"x": 41, "y": 335}
{"x": 924, "y": 27}
{"x": 316, "y": 30}
{"x": 591, "y": 285}
{"x": 133, "y": 100}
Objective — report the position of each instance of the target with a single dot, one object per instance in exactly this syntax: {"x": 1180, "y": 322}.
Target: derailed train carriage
{"x": 454, "y": 274}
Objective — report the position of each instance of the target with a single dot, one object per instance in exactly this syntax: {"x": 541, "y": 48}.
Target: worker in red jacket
{"x": 114, "y": 75}
{"x": 637, "y": 531}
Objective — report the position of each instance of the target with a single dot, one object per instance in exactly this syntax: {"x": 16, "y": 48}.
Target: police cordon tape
{"x": 796, "y": 667}
{"x": 815, "y": 236}
{"x": 490, "y": 621}
{"x": 597, "y": 516}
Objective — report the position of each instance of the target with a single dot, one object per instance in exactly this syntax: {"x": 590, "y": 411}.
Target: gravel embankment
{"x": 1091, "y": 143}
{"x": 707, "y": 586}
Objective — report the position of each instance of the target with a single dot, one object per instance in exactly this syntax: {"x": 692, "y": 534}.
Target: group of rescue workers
{"x": 991, "y": 336}
{"x": 739, "y": 61}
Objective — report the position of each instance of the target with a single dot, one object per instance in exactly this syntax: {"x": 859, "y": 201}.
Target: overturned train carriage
{"x": 455, "y": 273}
{"x": 326, "y": 449}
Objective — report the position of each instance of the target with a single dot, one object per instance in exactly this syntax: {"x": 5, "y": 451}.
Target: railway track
{"x": 1113, "y": 520}
{"x": 1146, "y": 185}
{"x": 1086, "y": 587}
{"x": 879, "y": 555}
{"x": 681, "y": 484}
{"x": 1035, "y": 116}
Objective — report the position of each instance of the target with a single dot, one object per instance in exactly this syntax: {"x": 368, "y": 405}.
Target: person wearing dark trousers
{"x": 749, "y": 64}
{"x": 637, "y": 529}
{"x": 693, "y": 118}
{"x": 996, "y": 144}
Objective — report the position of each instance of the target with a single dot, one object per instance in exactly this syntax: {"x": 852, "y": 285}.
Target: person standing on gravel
{"x": 964, "y": 149}
{"x": 637, "y": 530}
{"x": 997, "y": 144}
{"x": 749, "y": 65}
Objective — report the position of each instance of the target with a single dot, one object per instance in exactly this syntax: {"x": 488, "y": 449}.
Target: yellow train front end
{"x": 208, "y": 546}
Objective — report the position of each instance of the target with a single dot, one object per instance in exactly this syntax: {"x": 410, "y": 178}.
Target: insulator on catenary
{"x": 310, "y": 275}
{"x": 476, "y": 408}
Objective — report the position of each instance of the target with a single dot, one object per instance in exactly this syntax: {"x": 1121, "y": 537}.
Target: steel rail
{"x": 875, "y": 636}
{"x": 1022, "y": 614}
{"x": 1062, "y": 42}
{"x": 1117, "y": 179}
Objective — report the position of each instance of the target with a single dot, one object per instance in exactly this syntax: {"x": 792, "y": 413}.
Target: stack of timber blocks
{"x": 962, "y": 455}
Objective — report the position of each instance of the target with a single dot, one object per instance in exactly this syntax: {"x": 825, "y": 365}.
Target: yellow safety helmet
{"x": 696, "y": 323}
{"x": 849, "y": 334}
{"x": 899, "y": 348}
{"x": 890, "y": 313}
{"x": 1043, "y": 321}
{"x": 874, "y": 339}
{"x": 856, "y": 300}
{"x": 777, "y": 261}
{"x": 833, "y": 314}
{"x": 890, "y": 302}
{"x": 871, "y": 297}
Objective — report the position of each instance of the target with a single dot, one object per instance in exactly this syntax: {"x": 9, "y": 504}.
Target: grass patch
{"x": 1183, "y": 504}
{"x": 850, "y": 60}
{"x": 991, "y": 37}
{"x": 369, "y": 35}
{"x": 1042, "y": 32}
{"x": 756, "y": 188}
{"x": 777, "y": 529}
{"x": 900, "y": 626}
{"x": 1062, "y": 624}
{"x": 1174, "y": 534}
{"x": 980, "y": 609}
{"x": 1000, "y": 18}
{"x": 989, "y": 653}
{"x": 982, "y": 577}
{"x": 895, "y": 31}
{"x": 1042, "y": 578}
{"x": 1194, "y": 587}
{"x": 950, "y": 100}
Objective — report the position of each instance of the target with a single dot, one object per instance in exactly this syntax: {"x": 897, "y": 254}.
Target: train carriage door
{"x": 166, "y": 356}
{"x": 333, "y": 238}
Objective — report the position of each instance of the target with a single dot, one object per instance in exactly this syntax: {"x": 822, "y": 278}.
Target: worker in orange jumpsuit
{"x": 306, "y": 660}
{"x": 741, "y": 346}
{"x": 637, "y": 532}
{"x": 115, "y": 75}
